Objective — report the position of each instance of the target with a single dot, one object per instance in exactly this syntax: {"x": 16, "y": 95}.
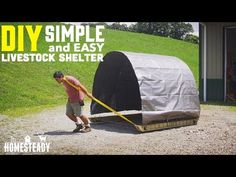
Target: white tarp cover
{"x": 167, "y": 87}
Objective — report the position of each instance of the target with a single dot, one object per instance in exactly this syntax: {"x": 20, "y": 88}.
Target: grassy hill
{"x": 30, "y": 87}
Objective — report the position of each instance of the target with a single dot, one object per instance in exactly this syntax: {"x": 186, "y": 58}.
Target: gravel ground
{"x": 215, "y": 133}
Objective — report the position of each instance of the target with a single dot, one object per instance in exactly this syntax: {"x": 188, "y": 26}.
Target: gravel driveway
{"x": 215, "y": 133}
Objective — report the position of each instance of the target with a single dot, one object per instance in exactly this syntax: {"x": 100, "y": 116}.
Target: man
{"x": 75, "y": 101}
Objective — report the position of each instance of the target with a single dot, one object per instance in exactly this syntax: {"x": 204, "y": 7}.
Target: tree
{"x": 118, "y": 26}
{"x": 191, "y": 38}
{"x": 95, "y": 24}
{"x": 141, "y": 27}
{"x": 161, "y": 29}
{"x": 155, "y": 28}
{"x": 176, "y": 30}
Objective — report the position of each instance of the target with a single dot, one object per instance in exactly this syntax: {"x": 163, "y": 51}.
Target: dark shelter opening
{"x": 116, "y": 84}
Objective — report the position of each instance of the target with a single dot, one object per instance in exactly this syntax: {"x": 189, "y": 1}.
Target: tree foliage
{"x": 176, "y": 30}
{"x": 191, "y": 38}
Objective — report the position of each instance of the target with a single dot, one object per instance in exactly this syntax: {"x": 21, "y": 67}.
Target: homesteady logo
{"x": 28, "y": 145}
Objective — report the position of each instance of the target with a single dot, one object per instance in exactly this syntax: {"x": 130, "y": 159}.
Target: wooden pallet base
{"x": 153, "y": 126}
{"x": 168, "y": 125}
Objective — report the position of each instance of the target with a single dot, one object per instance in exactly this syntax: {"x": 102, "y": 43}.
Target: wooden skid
{"x": 153, "y": 126}
{"x": 168, "y": 125}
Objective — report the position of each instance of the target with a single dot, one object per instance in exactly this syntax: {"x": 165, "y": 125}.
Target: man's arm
{"x": 83, "y": 89}
{"x": 77, "y": 84}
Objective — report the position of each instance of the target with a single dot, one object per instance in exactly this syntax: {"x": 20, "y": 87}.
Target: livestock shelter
{"x": 154, "y": 88}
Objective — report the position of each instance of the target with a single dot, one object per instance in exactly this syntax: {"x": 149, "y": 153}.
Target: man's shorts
{"x": 74, "y": 109}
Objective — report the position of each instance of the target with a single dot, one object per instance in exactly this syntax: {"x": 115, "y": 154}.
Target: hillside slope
{"x": 29, "y": 87}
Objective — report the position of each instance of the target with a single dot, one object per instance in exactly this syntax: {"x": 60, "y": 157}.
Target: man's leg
{"x": 86, "y": 121}
{"x": 74, "y": 118}
{"x": 77, "y": 109}
{"x": 70, "y": 114}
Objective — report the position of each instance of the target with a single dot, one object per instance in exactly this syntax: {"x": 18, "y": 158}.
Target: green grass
{"x": 228, "y": 106}
{"x": 29, "y": 87}
{"x": 232, "y": 108}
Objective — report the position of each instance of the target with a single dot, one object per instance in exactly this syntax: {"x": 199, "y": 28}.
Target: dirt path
{"x": 214, "y": 134}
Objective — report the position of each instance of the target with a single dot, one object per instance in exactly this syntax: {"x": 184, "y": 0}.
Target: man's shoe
{"x": 78, "y": 128}
{"x": 86, "y": 129}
